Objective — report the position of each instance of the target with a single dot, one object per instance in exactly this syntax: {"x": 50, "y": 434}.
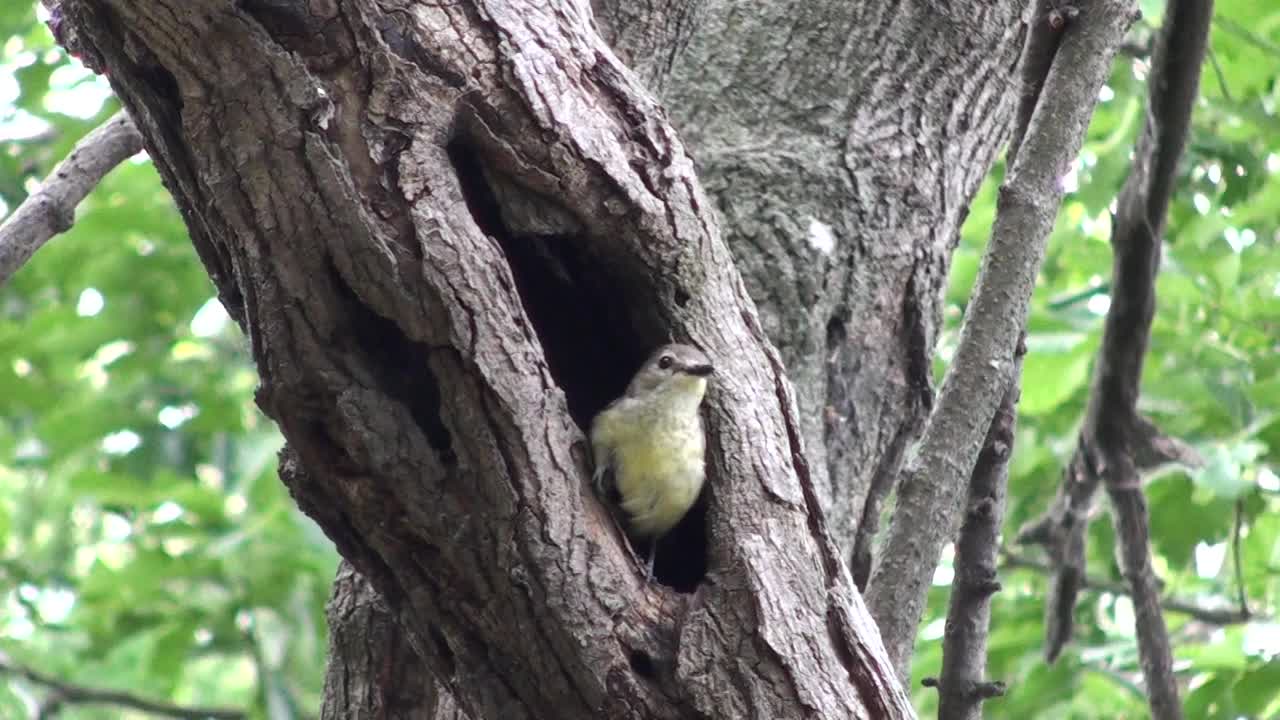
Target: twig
{"x": 1138, "y": 50}
{"x": 1222, "y": 78}
{"x": 1115, "y": 442}
{"x": 64, "y": 693}
{"x": 51, "y": 209}
{"x": 929, "y": 503}
{"x": 1248, "y": 35}
{"x": 1044, "y": 34}
{"x": 1241, "y": 592}
{"x": 1072, "y": 297}
{"x": 1211, "y": 616}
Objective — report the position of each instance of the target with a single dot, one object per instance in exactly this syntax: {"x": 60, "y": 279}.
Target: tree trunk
{"x": 450, "y": 234}
{"x": 842, "y": 143}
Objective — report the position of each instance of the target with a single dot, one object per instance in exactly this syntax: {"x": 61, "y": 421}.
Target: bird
{"x": 649, "y": 447}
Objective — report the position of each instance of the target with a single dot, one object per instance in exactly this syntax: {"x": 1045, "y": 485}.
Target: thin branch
{"x": 1246, "y": 34}
{"x": 1211, "y": 616}
{"x": 1115, "y": 442}
{"x": 1138, "y": 50}
{"x": 65, "y": 693}
{"x": 1152, "y": 449}
{"x": 962, "y": 684}
{"x": 1221, "y": 76}
{"x": 1241, "y": 591}
{"x": 1124, "y": 680}
{"x": 1044, "y": 34}
{"x": 1073, "y": 297}
{"x": 51, "y": 209}
{"x": 929, "y": 503}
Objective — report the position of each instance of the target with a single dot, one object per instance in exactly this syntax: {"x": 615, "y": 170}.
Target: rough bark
{"x": 449, "y": 233}
{"x": 381, "y": 676}
{"x": 842, "y": 143}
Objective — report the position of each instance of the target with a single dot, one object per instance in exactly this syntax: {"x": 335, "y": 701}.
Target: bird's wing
{"x": 602, "y": 440}
{"x": 603, "y": 477}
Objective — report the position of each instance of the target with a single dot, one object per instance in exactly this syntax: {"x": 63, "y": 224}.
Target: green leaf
{"x": 1227, "y": 272}
{"x": 1223, "y": 472}
{"x": 1055, "y": 369}
{"x": 1258, "y": 690}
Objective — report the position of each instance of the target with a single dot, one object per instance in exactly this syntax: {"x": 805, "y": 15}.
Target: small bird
{"x": 649, "y": 447}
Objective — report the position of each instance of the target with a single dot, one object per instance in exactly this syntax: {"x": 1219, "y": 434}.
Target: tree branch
{"x": 1237, "y": 565}
{"x": 962, "y": 684}
{"x": 63, "y": 693}
{"x": 928, "y": 509}
{"x": 1212, "y": 616}
{"x": 51, "y": 209}
{"x": 1115, "y": 442}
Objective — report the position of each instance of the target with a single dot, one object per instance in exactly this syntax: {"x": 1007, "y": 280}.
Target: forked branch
{"x": 1115, "y": 441}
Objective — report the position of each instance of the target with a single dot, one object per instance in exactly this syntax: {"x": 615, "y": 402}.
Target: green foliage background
{"x": 148, "y": 546}
{"x": 1212, "y": 378}
{"x": 147, "y": 542}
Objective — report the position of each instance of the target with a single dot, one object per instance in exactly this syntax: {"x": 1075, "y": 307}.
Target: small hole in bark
{"x": 642, "y": 664}
{"x": 681, "y": 297}
{"x": 162, "y": 82}
{"x": 284, "y": 21}
{"x": 398, "y": 361}
{"x": 446, "y": 652}
{"x": 836, "y": 332}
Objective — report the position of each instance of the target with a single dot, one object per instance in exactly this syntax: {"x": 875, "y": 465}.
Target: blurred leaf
{"x": 1055, "y": 369}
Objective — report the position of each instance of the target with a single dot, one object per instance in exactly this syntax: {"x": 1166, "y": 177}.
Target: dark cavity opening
{"x": 576, "y": 310}
{"x": 399, "y": 361}
{"x": 682, "y": 553}
{"x": 445, "y": 651}
{"x": 590, "y": 319}
{"x": 642, "y": 664}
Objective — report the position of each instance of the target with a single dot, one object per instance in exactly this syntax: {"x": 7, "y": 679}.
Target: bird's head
{"x": 674, "y": 370}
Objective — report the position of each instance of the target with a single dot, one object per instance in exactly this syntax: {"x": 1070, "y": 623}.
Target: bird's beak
{"x": 699, "y": 370}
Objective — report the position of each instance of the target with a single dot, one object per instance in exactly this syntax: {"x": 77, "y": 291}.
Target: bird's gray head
{"x": 672, "y": 368}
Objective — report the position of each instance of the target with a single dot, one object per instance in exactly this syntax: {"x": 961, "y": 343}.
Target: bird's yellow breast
{"x": 657, "y": 456}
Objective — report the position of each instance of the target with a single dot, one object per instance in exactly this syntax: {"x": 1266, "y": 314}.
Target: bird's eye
{"x": 665, "y": 361}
